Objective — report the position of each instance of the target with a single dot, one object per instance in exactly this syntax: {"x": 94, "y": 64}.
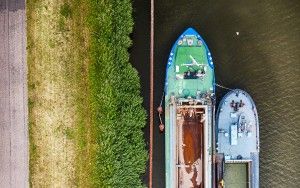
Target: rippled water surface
{"x": 264, "y": 59}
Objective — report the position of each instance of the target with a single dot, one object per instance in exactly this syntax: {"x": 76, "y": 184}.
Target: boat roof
{"x": 237, "y": 126}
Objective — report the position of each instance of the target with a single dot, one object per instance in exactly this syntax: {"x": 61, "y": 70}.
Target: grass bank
{"x": 60, "y": 134}
{"x": 85, "y": 108}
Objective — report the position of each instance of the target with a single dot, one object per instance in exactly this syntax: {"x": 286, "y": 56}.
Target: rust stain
{"x": 192, "y": 148}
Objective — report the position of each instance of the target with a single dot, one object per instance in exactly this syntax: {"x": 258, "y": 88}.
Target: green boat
{"x": 190, "y": 106}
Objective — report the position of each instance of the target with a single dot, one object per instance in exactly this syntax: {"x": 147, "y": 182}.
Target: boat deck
{"x": 190, "y": 147}
{"x": 246, "y": 143}
{"x": 190, "y": 67}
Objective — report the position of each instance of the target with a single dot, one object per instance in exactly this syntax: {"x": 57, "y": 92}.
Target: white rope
{"x": 162, "y": 98}
{"x": 223, "y": 87}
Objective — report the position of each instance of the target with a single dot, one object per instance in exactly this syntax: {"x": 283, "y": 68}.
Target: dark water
{"x": 264, "y": 59}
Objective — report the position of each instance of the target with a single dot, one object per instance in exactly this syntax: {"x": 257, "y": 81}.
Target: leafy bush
{"x": 115, "y": 87}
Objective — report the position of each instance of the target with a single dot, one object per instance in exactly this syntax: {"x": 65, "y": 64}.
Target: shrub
{"x": 115, "y": 87}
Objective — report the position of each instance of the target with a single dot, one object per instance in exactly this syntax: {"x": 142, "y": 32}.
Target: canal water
{"x": 256, "y": 47}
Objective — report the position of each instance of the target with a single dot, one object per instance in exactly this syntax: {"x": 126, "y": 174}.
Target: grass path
{"x": 58, "y": 94}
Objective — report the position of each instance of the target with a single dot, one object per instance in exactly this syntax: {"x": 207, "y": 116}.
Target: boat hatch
{"x": 237, "y": 175}
{"x": 190, "y": 145}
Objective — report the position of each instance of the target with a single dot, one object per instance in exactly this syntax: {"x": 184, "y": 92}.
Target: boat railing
{"x": 238, "y": 161}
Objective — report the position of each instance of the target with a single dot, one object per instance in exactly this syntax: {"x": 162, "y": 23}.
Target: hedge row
{"x": 115, "y": 88}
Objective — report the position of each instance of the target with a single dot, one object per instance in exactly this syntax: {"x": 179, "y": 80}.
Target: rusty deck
{"x": 190, "y": 147}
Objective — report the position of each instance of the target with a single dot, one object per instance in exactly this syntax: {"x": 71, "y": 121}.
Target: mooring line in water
{"x": 151, "y": 91}
{"x": 218, "y": 85}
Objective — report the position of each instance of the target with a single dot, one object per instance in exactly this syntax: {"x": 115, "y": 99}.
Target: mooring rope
{"x": 218, "y": 85}
{"x": 162, "y": 98}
